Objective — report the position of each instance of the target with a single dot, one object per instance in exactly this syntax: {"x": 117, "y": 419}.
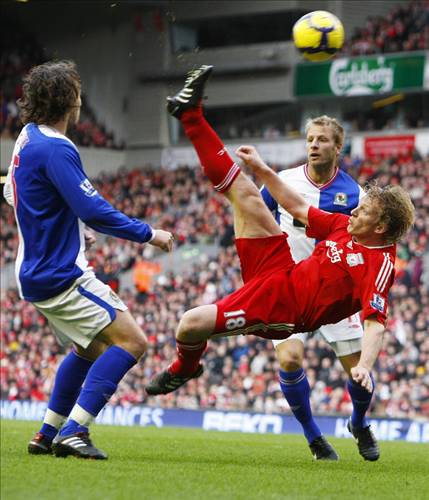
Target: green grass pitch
{"x": 171, "y": 463}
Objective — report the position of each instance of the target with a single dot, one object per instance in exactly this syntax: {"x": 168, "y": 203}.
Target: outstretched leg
{"x": 252, "y": 219}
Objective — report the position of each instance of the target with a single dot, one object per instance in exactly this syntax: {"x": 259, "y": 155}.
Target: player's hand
{"x": 250, "y": 157}
{"x": 90, "y": 238}
{"x": 361, "y": 376}
{"x": 163, "y": 240}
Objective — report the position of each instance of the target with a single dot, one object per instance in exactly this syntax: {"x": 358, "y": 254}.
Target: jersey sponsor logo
{"x": 88, "y": 188}
{"x": 341, "y": 199}
{"x": 333, "y": 253}
{"x": 354, "y": 259}
{"x": 377, "y": 302}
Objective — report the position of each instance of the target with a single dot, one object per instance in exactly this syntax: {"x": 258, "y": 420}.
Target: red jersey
{"x": 341, "y": 277}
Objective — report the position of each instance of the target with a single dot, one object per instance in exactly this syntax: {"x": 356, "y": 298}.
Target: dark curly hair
{"x": 49, "y": 92}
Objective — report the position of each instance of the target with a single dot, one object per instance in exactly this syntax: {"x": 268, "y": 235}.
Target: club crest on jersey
{"x": 341, "y": 199}
{"x": 88, "y": 188}
{"x": 377, "y": 302}
{"x": 354, "y": 259}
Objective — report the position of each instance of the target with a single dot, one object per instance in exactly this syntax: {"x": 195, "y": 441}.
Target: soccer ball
{"x": 318, "y": 35}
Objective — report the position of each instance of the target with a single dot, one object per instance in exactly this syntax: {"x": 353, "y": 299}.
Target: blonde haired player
{"x": 351, "y": 269}
{"x": 324, "y": 186}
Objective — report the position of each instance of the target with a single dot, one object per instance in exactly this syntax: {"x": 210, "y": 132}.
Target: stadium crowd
{"x": 277, "y": 122}
{"x": 179, "y": 201}
{"x": 405, "y": 28}
{"x": 242, "y": 371}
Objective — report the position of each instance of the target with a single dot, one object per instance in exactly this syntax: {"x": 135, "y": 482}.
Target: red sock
{"x": 219, "y": 167}
{"x": 188, "y": 358}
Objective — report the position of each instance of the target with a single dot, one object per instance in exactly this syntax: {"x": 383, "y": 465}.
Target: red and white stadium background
{"x": 395, "y": 145}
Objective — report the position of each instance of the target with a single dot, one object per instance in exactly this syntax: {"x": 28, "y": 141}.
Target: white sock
{"x": 81, "y": 416}
{"x": 54, "y": 419}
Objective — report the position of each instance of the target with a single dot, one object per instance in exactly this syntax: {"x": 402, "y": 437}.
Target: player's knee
{"x": 140, "y": 343}
{"x": 190, "y": 325}
{"x": 95, "y": 349}
{"x": 289, "y": 359}
{"x": 135, "y": 344}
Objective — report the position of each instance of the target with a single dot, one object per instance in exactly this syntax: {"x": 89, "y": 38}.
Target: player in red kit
{"x": 350, "y": 270}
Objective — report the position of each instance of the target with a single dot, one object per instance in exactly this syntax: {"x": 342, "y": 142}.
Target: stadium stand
{"x": 179, "y": 201}
{"x": 405, "y": 28}
{"x": 242, "y": 371}
{"x": 20, "y": 52}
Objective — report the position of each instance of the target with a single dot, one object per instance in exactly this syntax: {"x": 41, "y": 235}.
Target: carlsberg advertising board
{"x": 361, "y": 75}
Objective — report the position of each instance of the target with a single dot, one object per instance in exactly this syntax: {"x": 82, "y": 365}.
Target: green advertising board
{"x": 361, "y": 75}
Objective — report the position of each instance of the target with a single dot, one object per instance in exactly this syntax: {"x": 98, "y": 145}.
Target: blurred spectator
{"x": 405, "y": 28}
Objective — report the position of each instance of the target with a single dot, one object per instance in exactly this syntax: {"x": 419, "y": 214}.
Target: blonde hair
{"x": 327, "y": 121}
{"x": 396, "y": 209}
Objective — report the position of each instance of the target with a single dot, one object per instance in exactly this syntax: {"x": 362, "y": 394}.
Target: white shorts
{"x": 344, "y": 337}
{"x": 80, "y": 313}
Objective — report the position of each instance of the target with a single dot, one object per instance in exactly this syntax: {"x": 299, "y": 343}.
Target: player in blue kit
{"x": 53, "y": 200}
{"x": 327, "y": 187}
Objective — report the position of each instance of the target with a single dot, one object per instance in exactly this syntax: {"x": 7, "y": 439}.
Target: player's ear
{"x": 381, "y": 228}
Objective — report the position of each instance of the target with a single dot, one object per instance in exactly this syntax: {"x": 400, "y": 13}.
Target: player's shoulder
{"x": 295, "y": 172}
{"x": 380, "y": 267}
{"x": 54, "y": 139}
{"x": 345, "y": 190}
{"x": 381, "y": 257}
{"x": 297, "y": 177}
{"x": 346, "y": 180}
{"x": 42, "y": 142}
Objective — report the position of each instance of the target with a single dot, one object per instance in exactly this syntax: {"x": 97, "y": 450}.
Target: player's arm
{"x": 8, "y": 187}
{"x": 375, "y": 286}
{"x": 65, "y": 171}
{"x": 90, "y": 238}
{"x": 371, "y": 344}
{"x": 285, "y": 196}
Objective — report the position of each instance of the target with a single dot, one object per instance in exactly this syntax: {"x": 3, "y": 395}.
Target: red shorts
{"x": 264, "y": 305}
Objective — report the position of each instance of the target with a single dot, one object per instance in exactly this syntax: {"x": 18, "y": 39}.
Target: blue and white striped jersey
{"x": 53, "y": 199}
{"x": 341, "y": 194}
